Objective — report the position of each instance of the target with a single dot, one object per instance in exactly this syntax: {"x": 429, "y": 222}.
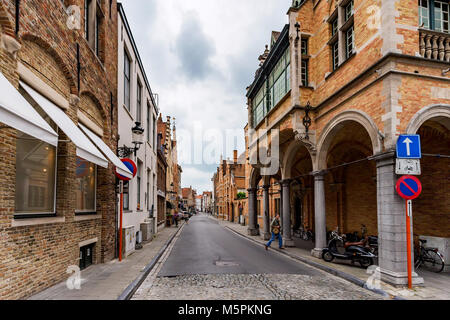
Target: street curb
{"x": 330, "y": 270}
{"x": 128, "y": 293}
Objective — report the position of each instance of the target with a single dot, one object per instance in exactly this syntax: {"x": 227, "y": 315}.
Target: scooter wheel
{"x": 327, "y": 256}
{"x": 366, "y": 262}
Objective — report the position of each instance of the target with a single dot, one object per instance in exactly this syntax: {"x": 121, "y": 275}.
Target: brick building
{"x": 58, "y": 127}
{"x": 188, "y": 198}
{"x": 229, "y": 183}
{"x": 161, "y": 185}
{"x": 168, "y": 132}
{"x": 334, "y": 90}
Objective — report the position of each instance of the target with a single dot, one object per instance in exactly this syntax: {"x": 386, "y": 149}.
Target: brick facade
{"x": 393, "y": 81}
{"x": 35, "y": 253}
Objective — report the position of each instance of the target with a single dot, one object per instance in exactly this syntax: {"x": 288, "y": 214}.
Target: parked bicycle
{"x": 431, "y": 258}
{"x": 305, "y": 234}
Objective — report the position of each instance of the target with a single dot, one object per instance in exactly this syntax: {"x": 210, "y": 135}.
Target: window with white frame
{"x": 342, "y": 50}
{"x": 305, "y": 63}
{"x": 349, "y": 42}
{"x": 127, "y": 81}
{"x": 139, "y": 187}
{"x": 149, "y": 131}
{"x": 434, "y": 15}
{"x": 139, "y": 102}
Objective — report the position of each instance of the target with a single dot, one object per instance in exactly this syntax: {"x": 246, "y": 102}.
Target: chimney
{"x": 235, "y": 156}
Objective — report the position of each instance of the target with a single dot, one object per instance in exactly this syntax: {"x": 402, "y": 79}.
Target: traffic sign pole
{"x": 409, "y": 188}
{"x": 408, "y": 240}
{"x": 121, "y": 221}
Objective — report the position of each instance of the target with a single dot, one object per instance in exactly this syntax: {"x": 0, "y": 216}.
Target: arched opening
{"x": 297, "y": 168}
{"x": 431, "y": 211}
{"x": 350, "y": 182}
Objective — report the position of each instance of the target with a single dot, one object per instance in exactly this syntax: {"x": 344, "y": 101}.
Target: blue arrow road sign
{"x": 408, "y": 147}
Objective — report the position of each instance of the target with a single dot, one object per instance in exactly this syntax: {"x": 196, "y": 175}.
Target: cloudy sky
{"x": 199, "y": 56}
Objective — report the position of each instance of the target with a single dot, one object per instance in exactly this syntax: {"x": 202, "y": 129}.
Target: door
{"x": 86, "y": 256}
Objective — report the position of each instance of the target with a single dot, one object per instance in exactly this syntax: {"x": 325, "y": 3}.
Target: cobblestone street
{"x": 312, "y": 284}
{"x": 251, "y": 287}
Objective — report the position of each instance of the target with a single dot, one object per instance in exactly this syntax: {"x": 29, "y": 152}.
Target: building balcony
{"x": 434, "y": 45}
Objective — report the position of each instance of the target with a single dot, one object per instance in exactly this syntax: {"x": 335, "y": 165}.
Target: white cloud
{"x": 205, "y": 85}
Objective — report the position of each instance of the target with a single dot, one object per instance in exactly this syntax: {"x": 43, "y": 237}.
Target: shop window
{"x": 85, "y": 186}
{"x": 35, "y": 176}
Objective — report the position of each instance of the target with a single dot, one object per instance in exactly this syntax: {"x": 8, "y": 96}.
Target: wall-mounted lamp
{"x": 307, "y": 120}
{"x": 137, "y": 140}
{"x": 297, "y": 26}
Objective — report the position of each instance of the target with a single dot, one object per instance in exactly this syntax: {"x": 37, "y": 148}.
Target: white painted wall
{"x": 147, "y": 152}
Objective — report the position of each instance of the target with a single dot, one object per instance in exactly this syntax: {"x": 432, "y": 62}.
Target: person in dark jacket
{"x": 275, "y": 228}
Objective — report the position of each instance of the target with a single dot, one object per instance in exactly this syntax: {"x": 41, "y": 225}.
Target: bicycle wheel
{"x": 433, "y": 261}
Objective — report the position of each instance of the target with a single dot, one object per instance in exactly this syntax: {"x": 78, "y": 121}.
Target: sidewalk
{"x": 437, "y": 286}
{"x": 108, "y": 281}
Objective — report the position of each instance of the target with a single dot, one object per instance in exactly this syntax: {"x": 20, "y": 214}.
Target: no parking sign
{"x": 409, "y": 187}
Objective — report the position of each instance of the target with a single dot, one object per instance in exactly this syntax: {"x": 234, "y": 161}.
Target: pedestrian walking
{"x": 275, "y": 228}
{"x": 175, "y": 219}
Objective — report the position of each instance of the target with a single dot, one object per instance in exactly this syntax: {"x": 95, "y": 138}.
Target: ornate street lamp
{"x": 137, "y": 140}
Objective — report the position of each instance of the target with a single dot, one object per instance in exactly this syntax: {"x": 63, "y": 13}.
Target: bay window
{"x": 86, "y": 180}
{"x": 273, "y": 90}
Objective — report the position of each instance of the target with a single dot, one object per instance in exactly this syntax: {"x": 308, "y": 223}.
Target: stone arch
{"x": 255, "y": 178}
{"x": 337, "y": 123}
{"x": 425, "y": 114}
{"x": 289, "y": 156}
{"x": 91, "y": 107}
{"x": 30, "y": 40}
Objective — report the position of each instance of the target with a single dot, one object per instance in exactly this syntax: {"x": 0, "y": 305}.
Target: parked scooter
{"x": 372, "y": 241}
{"x": 354, "y": 251}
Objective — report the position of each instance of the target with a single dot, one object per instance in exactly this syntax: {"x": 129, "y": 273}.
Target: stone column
{"x": 391, "y": 225}
{"x": 287, "y": 236}
{"x": 320, "y": 214}
{"x": 267, "y": 231}
{"x": 252, "y": 229}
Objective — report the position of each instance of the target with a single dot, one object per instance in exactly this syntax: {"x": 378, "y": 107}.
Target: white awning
{"x": 85, "y": 148}
{"x": 120, "y": 167}
{"x": 16, "y": 112}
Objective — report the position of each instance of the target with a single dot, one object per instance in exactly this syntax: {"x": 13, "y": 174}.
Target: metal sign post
{"x": 409, "y": 188}
{"x": 121, "y": 220}
{"x": 408, "y": 240}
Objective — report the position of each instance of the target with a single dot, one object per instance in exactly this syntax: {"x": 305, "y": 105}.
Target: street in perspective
{"x": 238, "y": 151}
